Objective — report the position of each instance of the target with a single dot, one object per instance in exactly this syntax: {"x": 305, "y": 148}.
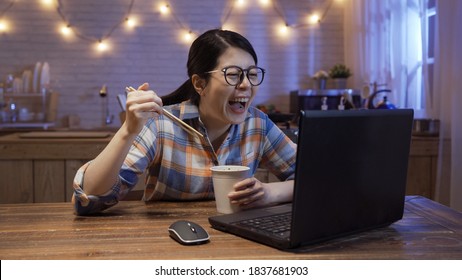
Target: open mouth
{"x": 238, "y": 104}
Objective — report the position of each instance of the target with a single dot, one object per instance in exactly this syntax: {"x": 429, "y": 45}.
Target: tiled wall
{"x": 153, "y": 52}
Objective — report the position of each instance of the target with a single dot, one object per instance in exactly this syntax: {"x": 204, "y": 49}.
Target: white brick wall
{"x": 153, "y": 53}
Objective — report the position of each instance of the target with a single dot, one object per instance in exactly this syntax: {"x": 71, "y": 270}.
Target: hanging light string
{"x": 326, "y": 10}
{"x": 79, "y": 34}
{"x": 175, "y": 17}
{"x": 9, "y": 6}
{"x": 280, "y": 11}
{"x": 227, "y": 15}
{"x": 277, "y": 8}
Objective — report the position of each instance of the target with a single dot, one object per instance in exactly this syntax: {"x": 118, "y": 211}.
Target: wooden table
{"x": 135, "y": 230}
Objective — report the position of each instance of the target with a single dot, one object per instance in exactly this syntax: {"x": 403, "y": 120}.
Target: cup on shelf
{"x": 25, "y": 115}
{"x": 40, "y": 117}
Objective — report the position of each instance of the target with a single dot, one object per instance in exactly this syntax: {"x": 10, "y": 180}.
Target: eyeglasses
{"x": 234, "y": 75}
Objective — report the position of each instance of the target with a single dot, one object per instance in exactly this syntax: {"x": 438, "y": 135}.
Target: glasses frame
{"x": 241, "y": 77}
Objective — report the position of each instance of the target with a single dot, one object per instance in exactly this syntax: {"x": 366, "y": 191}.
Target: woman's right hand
{"x": 141, "y": 105}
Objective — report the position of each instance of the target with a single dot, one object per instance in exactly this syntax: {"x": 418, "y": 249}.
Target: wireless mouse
{"x": 188, "y": 233}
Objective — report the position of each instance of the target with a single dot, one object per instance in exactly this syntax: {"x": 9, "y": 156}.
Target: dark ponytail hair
{"x": 203, "y": 57}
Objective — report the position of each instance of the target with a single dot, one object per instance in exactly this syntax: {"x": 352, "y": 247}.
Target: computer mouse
{"x": 188, "y": 233}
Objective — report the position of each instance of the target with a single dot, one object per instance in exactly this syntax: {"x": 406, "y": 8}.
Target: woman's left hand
{"x": 250, "y": 193}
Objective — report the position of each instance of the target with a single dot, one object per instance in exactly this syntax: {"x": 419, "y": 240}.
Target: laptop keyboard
{"x": 278, "y": 225}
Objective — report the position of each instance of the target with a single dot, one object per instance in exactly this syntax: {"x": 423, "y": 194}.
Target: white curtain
{"x": 384, "y": 44}
{"x": 447, "y": 100}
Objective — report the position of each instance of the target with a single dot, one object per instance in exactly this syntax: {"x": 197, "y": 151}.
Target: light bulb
{"x": 265, "y": 3}
{"x": 240, "y": 3}
{"x": 188, "y": 36}
{"x": 3, "y": 26}
{"x": 164, "y": 9}
{"x": 102, "y": 46}
{"x": 66, "y": 30}
{"x": 314, "y": 18}
{"x": 47, "y": 3}
{"x": 227, "y": 26}
{"x": 130, "y": 22}
{"x": 284, "y": 29}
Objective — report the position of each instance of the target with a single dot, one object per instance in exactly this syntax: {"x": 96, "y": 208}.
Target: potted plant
{"x": 340, "y": 73}
{"x": 321, "y": 77}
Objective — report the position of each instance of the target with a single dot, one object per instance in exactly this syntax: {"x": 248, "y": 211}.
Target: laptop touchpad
{"x": 279, "y": 208}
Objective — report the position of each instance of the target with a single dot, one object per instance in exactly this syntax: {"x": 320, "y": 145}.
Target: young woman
{"x": 216, "y": 101}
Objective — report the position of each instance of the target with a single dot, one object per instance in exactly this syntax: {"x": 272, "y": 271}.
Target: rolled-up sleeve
{"x": 89, "y": 204}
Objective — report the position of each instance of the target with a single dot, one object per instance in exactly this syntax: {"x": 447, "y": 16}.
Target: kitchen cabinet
{"x": 42, "y": 169}
{"x": 422, "y": 166}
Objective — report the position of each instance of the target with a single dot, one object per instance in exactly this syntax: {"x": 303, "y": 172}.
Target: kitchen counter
{"x": 40, "y": 166}
{"x": 54, "y": 144}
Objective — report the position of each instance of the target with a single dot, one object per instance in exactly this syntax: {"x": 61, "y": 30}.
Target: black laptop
{"x": 350, "y": 177}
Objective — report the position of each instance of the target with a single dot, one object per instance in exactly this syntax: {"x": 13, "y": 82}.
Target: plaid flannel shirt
{"x": 178, "y": 164}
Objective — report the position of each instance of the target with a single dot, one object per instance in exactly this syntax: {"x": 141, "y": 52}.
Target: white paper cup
{"x": 224, "y": 177}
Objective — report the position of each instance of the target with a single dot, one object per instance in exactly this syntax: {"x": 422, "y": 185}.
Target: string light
{"x": 164, "y": 9}
{"x": 265, "y": 3}
{"x": 4, "y": 26}
{"x": 228, "y": 26}
{"x": 66, "y": 30}
{"x": 241, "y": 3}
{"x": 100, "y": 43}
{"x": 314, "y": 18}
{"x": 102, "y": 46}
{"x": 284, "y": 29}
{"x": 187, "y": 35}
{"x": 131, "y": 22}
{"x": 48, "y": 3}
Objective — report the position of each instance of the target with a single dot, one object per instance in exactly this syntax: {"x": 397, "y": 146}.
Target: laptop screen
{"x": 351, "y": 168}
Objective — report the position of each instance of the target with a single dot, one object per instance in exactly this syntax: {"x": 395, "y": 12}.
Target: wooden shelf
{"x": 32, "y": 94}
{"x": 44, "y": 125}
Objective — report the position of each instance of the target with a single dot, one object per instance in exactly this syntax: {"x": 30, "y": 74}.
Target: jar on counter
{"x": 9, "y": 83}
{"x": 13, "y": 111}
{"x": 4, "y": 117}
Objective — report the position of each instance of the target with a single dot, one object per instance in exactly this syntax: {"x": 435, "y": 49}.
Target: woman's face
{"x": 222, "y": 104}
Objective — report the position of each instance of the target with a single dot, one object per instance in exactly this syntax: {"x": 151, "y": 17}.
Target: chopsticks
{"x": 182, "y": 124}
{"x": 122, "y": 98}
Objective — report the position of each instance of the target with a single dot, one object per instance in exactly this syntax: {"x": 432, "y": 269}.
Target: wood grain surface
{"x": 135, "y": 230}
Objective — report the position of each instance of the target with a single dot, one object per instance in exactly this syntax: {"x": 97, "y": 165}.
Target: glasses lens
{"x": 235, "y": 75}
{"x": 255, "y": 75}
